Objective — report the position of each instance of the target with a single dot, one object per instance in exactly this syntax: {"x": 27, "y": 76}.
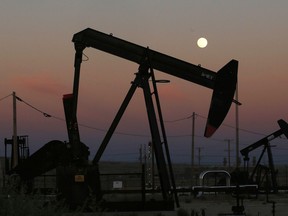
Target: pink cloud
{"x": 40, "y": 83}
{"x": 167, "y": 93}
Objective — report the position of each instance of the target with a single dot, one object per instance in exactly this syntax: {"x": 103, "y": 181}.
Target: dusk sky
{"x": 37, "y": 59}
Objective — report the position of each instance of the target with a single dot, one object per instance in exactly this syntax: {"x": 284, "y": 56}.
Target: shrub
{"x": 32, "y": 205}
{"x": 182, "y": 212}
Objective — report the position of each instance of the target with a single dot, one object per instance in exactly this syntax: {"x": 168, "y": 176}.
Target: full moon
{"x": 202, "y": 42}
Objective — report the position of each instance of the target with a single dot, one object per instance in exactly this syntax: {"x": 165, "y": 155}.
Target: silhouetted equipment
{"x": 23, "y": 151}
{"x": 48, "y": 157}
{"x": 77, "y": 179}
{"x": 261, "y": 172}
{"x": 223, "y": 83}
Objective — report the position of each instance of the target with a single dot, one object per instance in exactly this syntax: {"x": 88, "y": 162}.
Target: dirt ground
{"x": 215, "y": 205}
{"x": 222, "y": 204}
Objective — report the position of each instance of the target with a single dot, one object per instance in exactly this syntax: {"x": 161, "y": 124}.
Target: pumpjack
{"x": 78, "y": 179}
{"x": 260, "y": 172}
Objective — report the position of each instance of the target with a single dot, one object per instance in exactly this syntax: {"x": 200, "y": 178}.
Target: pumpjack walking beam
{"x": 283, "y": 130}
{"x": 264, "y": 142}
{"x": 223, "y": 82}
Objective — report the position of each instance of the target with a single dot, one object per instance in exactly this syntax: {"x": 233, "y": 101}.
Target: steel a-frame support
{"x": 155, "y": 133}
{"x": 142, "y": 80}
{"x": 273, "y": 173}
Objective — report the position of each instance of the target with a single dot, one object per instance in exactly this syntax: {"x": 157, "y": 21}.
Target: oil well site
{"x": 62, "y": 171}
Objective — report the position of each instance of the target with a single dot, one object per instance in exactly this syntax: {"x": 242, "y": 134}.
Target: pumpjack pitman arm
{"x": 283, "y": 130}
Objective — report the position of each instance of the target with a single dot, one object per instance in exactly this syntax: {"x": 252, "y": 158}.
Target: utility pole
{"x": 193, "y": 141}
{"x": 237, "y": 127}
{"x": 193, "y": 148}
{"x": 229, "y": 156}
{"x": 140, "y": 155}
{"x": 199, "y": 155}
{"x": 15, "y": 150}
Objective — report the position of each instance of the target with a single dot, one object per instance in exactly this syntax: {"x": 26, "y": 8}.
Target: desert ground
{"x": 214, "y": 205}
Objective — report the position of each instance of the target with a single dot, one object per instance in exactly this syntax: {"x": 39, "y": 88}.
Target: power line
{"x": 226, "y": 125}
{"x": 5, "y": 97}
{"x": 177, "y": 120}
{"x": 82, "y": 125}
{"x": 45, "y": 114}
